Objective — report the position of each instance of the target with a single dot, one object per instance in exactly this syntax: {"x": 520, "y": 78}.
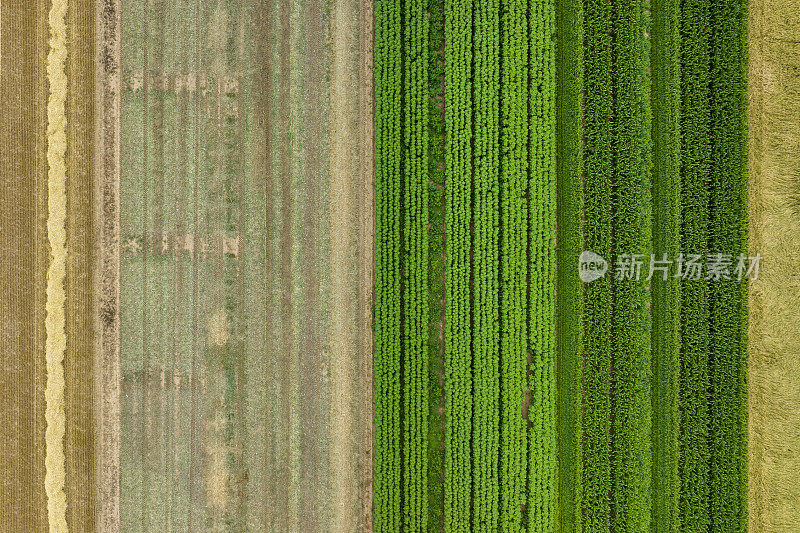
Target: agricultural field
{"x": 442, "y": 265}
{"x": 246, "y": 266}
{"x": 774, "y": 126}
{"x": 568, "y": 403}
{"x": 400, "y": 266}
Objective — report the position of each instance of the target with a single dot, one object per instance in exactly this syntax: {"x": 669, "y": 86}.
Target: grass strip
{"x": 570, "y": 236}
{"x": 665, "y": 341}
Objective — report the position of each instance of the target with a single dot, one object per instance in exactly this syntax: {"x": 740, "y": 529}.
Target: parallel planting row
{"x": 500, "y": 358}
{"x": 611, "y": 405}
{"x": 499, "y": 365}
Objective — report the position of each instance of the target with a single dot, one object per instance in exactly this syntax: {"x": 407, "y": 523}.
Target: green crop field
{"x": 514, "y": 392}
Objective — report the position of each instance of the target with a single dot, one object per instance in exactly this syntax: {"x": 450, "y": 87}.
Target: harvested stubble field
{"x": 246, "y": 278}
{"x": 774, "y": 366}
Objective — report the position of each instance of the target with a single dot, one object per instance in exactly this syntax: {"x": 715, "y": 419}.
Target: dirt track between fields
{"x": 351, "y": 258}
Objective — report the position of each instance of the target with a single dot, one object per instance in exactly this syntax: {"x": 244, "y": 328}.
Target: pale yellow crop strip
{"x": 55, "y": 327}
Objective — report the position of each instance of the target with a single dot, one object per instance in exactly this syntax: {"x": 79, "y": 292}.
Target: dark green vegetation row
{"x": 597, "y": 210}
{"x": 728, "y": 235}
{"x": 630, "y": 353}
{"x": 616, "y": 394}
{"x": 512, "y": 396}
{"x": 666, "y": 102}
{"x": 712, "y": 384}
{"x": 436, "y": 265}
{"x": 695, "y": 162}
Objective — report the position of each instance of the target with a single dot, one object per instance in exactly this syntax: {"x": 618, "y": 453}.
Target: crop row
{"x": 631, "y": 406}
{"x": 388, "y": 136}
{"x": 542, "y": 467}
{"x": 458, "y": 335}
{"x": 415, "y": 267}
{"x": 401, "y": 292}
{"x": 486, "y": 257}
{"x": 616, "y": 471}
{"x": 693, "y": 397}
{"x": 513, "y": 261}
{"x": 598, "y": 159}
{"x": 728, "y": 301}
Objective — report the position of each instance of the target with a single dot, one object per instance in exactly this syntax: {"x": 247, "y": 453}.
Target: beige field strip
{"x": 55, "y": 316}
{"x": 245, "y": 266}
{"x": 774, "y": 335}
{"x": 106, "y": 222}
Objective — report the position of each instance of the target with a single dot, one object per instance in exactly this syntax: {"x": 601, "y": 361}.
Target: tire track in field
{"x": 311, "y": 394}
{"x": 346, "y": 409}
